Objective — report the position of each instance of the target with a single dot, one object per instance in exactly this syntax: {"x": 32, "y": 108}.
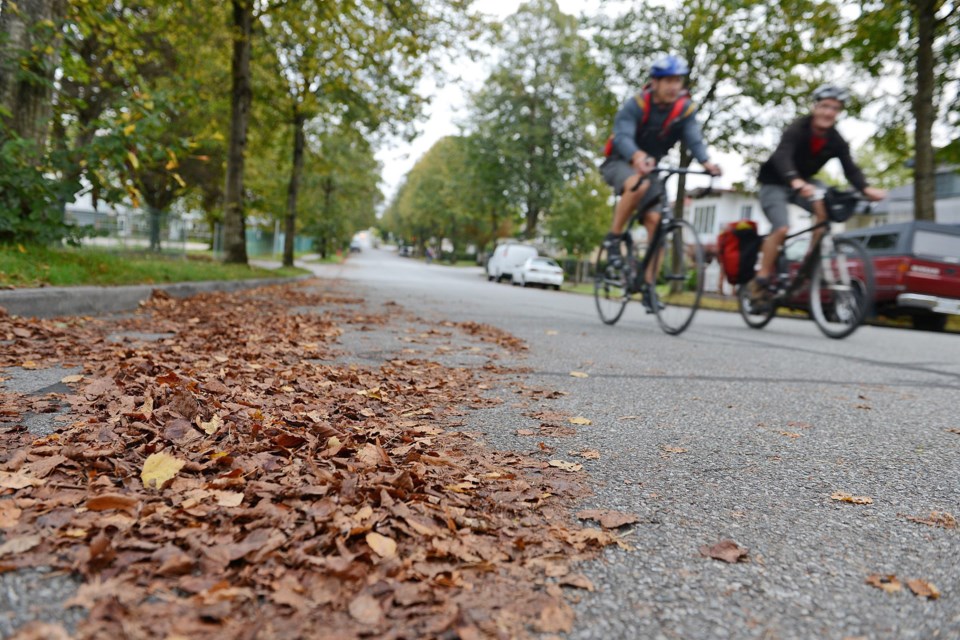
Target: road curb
{"x": 50, "y": 302}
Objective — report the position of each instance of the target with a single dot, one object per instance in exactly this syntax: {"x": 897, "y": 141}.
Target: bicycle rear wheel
{"x": 611, "y": 290}
{"x": 679, "y": 283}
{"x": 841, "y": 288}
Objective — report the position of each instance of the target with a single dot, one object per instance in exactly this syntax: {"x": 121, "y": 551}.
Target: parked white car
{"x": 542, "y": 271}
{"x": 507, "y": 258}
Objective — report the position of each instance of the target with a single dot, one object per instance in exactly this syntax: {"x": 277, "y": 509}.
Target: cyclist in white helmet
{"x": 787, "y": 176}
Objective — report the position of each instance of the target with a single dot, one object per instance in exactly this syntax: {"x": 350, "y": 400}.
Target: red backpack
{"x": 679, "y": 108}
{"x": 737, "y": 248}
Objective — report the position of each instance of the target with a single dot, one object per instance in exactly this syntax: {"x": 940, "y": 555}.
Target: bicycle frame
{"x": 666, "y": 215}
{"x": 806, "y": 266}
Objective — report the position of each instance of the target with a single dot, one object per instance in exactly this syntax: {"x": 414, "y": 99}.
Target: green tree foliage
{"x": 914, "y": 45}
{"x": 539, "y": 110}
{"x": 581, "y": 215}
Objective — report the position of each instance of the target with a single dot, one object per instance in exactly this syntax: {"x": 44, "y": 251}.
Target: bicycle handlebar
{"x": 670, "y": 171}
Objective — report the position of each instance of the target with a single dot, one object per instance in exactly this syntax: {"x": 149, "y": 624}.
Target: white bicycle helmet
{"x": 831, "y": 91}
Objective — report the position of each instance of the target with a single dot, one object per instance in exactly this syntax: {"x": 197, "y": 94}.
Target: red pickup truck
{"x": 916, "y": 270}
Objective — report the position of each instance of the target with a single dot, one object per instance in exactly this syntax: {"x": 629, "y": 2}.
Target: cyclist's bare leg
{"x": 628, "y": 203}
{"x": 770, "y": 249}
{"x": 651, "y": 220}
{"x": 820, "y": 215}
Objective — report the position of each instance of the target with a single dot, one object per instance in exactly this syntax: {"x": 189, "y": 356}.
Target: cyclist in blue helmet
{"x": 787, "y": 175}
{"x": 645, "y": 128}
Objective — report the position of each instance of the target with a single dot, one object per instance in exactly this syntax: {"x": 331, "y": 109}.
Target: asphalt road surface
{"x": 731, "y": 433}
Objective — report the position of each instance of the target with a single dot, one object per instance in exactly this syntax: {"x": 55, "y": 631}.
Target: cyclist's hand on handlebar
{"x": 874, "y": 195}
{"x": 712, "y": 169}
{"x": 642, "y": 163}
{"x": 803, "y": 188}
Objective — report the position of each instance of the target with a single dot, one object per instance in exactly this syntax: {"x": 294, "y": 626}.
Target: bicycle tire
{"x": 756, "y": 317}
{"x": 679, "y": 286}
{"x": 841, "y": 288}
{"x": 611, "y": 290}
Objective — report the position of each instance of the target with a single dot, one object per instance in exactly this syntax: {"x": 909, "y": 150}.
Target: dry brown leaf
{"x": 842, "y": 496}
{"x": 890, "y": 584}
{"x": 71, "y": 379}
{"x": 229, "y": 498}
{"x": 366, "y": 610}
{"x": 18, "y": 480}
{"x": 589, "y": 454}
{"x": 9, "y": 514}
{"x": 158, "y": 469}
{"x": 19, "y": 545}
{"x": 674, "y": 449}
{"x": 937, "y": 519}
{"x": 113, "y": 501}
{"x": 608, "y": 518}
{"x": 923, "y": 589}
{"x": 579, "y": 374}
{"x": 578, "y": 581}
{"x": 382, "y": 545}
{"x": 566, "y": 466}
{"x": 726, "y": 550}
{"x": 580, "y": 421}
{"x": 556, "y": 617}
{"x": 526, "y": 432}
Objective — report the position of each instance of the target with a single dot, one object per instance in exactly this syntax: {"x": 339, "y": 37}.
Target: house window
{"x": 746, "y": 212}
{"x": 704, "y": 218}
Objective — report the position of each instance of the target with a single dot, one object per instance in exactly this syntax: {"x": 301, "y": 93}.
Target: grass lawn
{"x": 42, "y": 266}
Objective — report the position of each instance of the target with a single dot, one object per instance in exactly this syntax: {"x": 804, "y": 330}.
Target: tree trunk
{"x": 294, "y": 188}
{"x": 924, "y": 172}
{"x": 22, "y": 36}
{"x": 234, "y": 224}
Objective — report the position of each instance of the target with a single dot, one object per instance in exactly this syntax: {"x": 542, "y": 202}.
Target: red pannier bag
{"x": 737, "y": 247}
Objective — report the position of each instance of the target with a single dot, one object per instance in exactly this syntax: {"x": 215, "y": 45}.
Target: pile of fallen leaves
{"x": 227, "y": 481}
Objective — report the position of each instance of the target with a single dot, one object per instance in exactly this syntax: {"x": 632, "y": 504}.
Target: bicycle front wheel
{"x": 755, "y": 313}
{"x": 841, "y": 288}
{"x": 611, "y": 290}
{"x": 679, "y": 283}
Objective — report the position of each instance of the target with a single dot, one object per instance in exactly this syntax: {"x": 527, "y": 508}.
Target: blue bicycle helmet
{"x": 669, "y": 65}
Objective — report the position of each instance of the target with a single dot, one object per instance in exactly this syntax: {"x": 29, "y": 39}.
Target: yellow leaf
{"x": 551, "y": 332}
{"x": 382, "y": 545}
{"x": 158, "y": 469}
{"x": 71, "y": 379}
{"x": 29, "y": 364}
{"x": 183, "y": 185}
{"x": 130, "y": 128}
{"x": 21, "y": 248}
{"x": 579, "y": 420}
{"x": 842, "y": 496}
{"x": 132, "y": 157}
{"x": 212, "y": 426}
{"x": 173, "y": 163}
{"x": 579, "y": 374}
{"x": 218, "y": 455}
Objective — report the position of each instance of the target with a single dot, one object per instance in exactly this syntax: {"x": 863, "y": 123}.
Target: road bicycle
{"x": 678, "y": 254}
{"x": 833, "y": 282}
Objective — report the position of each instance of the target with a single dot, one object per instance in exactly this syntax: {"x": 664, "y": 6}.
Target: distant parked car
{"x": 355, "y": 246}
{"x": 507, "y": 258}
{"x": 542, "y": 271}
{"x": 405, "y": 251}
{"x": 917, "y": 270}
